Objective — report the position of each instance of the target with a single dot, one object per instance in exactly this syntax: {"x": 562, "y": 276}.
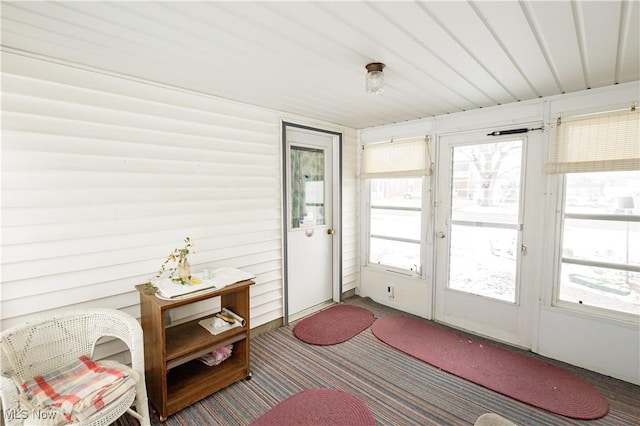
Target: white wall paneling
{"x": 103, "y": 175}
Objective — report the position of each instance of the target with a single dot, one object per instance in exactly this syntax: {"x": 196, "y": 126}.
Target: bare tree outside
{"x": 488, "y": 160}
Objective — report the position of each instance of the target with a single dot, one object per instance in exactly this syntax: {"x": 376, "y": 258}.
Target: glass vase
{"x": 184, "y": 271}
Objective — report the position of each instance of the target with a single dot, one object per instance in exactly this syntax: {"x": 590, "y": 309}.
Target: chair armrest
{"x": 128, "y": 329}
{"x": 12, "y": 414}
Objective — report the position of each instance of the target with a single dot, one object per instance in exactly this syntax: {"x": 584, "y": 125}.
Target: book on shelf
{"x": 216, "y": 325}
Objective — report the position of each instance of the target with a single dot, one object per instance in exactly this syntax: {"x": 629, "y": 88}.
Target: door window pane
{"x": 483, "y": 261}
{"x": 307, "y": 187}
{"x": 485, "y": 182}
{"x": 485, "y": 209}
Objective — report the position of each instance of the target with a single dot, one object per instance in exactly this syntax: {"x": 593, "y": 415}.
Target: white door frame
{"x": 336, "y": 212}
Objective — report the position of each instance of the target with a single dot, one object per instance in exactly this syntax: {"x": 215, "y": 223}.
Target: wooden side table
{"x": 175, "y": 378}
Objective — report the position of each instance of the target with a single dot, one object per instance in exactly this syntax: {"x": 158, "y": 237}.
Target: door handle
{"x": 331, "y": 231}
{"x": 441, "y": 234}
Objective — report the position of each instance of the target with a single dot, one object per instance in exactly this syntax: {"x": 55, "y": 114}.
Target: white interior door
{"x": 479, "y": 235}
{"x": 311, "y": 229}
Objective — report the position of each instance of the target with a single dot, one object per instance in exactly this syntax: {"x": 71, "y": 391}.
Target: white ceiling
{"x": 309, "y": 58}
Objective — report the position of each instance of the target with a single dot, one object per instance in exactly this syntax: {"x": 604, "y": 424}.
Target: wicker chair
{"x": 39, "y": 347}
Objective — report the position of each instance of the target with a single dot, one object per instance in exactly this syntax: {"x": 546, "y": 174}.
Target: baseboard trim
{"x": 265, "y": 328}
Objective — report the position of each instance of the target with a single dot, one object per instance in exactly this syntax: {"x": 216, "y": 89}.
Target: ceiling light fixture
{"x": 375, "y": 78}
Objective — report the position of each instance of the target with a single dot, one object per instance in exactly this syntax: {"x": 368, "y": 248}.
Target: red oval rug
{"x": 318, "y": 407}
{"x": 333, "y": 325}
{"x": 513, "y": 374}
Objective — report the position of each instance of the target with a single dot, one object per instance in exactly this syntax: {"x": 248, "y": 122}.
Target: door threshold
{"x": 311, "y": 310}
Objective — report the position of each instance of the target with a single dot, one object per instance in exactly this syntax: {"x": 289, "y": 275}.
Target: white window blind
{"x": 595, "y": 143}
{"x": 397, "y": 158}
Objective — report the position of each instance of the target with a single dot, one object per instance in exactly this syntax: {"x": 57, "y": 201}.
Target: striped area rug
{"x": 397, "y": 388}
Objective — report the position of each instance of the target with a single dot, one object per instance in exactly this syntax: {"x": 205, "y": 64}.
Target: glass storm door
{"x": 478, "y": 233}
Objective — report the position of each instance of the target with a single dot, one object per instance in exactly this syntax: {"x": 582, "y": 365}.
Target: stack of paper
{"x": 216, "y": 325}
{"x": 220, "y": 278}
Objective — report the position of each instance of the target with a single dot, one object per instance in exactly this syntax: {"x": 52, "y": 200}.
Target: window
{"x": 394, "y": 172}
{"x": 395, "y": 218}
{"x": 598, "y": 156}
{"x": 600, "y": 260}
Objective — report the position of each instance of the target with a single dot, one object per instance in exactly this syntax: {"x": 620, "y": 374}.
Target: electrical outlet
{"x": 390, "y": 291}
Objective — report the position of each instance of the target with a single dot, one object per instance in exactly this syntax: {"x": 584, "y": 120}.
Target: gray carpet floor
{"x": 397, "y": 388}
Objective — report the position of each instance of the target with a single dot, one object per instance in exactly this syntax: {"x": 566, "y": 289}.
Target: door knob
{"x": 331, "y": 231}
{"x": 441, "y": 234}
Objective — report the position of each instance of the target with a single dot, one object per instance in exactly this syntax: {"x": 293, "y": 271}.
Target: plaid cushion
{"x": 77, "y": 390}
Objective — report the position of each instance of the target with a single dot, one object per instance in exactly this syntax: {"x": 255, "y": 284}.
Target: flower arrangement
{"x": 180, "y": 257}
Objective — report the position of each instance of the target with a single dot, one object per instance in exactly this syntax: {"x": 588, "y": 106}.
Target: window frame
{"x": 558, "y": 260}
{"x": 420, "y": 272}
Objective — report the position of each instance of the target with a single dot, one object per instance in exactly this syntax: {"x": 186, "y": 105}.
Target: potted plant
{"x": 180, "y": 258}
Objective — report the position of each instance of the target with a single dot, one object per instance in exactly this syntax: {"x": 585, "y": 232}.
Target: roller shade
{"x": 397, "y": 158}
{"x": 595, "y": 143}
